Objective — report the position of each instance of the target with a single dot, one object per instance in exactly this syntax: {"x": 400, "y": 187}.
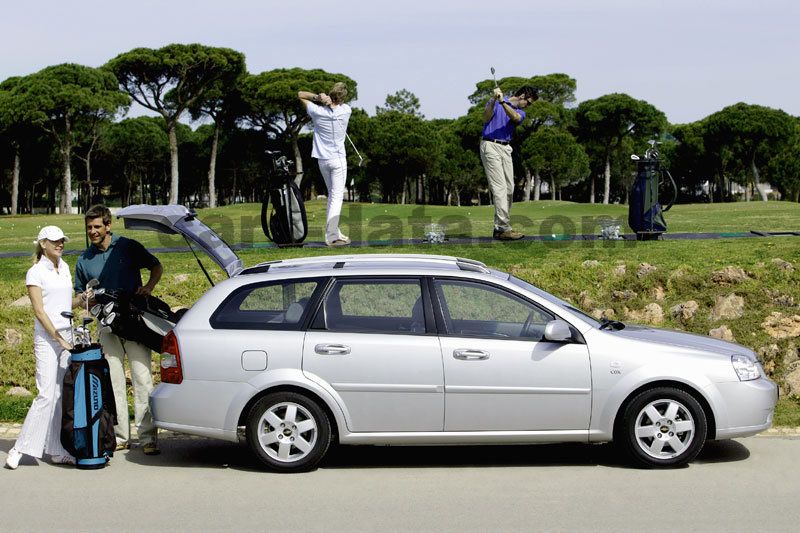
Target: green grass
{"x": 683, "y": 270}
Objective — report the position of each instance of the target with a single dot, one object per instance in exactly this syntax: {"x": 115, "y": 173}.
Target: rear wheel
{"x": 288, "y": 432}
{"x": 662, "y": 427}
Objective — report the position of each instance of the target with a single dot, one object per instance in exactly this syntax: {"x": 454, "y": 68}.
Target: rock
{"x": 651, "y": 314}
{"x": 658, "y": 293}
{"x": 723, "y": 332}
{"x": 584, "y": 301}
{"x": 783, "y": 265}
{"x": 768, "y": 353}
{"x": 645, "y": 269}
{"x": 627, "y": 294}
{"x": 729, "y": 275}
{"x": 779, "y": 326}
{"x": 791, "y": 355}
{"x": 13, "y": 337}
{"x": 21, "y": 302}
{"x": 18, "y": 391}
{"x": 792, "y": 381}
{"x": 783, "y": 300}
{"x": 685, "y": 310}
{"x": 619, "y": 270}
{"x": 727, "y": 307}
{"x": 591, "y": 263}
{"x": 608, "y": 314}
{"x": 181, "y": 278}
{"x": 677, "y": 274}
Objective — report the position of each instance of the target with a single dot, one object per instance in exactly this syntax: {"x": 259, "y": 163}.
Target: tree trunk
{"x": 552, "y": 188}
{"x": 173, "y": 157}
{"x": 756, "y": 179}
{"x": 591, "y": 189}
{"x": 607, "y": 184}
{"x": 298, "y": 161}
{"x": 212, "y": 169}
{"x": 537, "y": 186}
{"x": 528, "y": 184}
{"x": 15, "y": 182}
{"x": 66, "y": 181}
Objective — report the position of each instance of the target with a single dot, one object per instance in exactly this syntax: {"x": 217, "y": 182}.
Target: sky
{"x": 689, "y": 58}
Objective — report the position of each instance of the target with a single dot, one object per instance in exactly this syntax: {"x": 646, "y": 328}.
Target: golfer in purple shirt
{"x": 500, "y": 117}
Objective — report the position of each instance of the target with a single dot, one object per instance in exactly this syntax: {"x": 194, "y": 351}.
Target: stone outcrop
{"x": 685, "y": 311}
{"x": 13, "y": 337}
{"x": 723, "y": 332}
{"x": 619, "y": 270}
{"x": 18, "y": 391}
{"x": 651, "y": 314}
{"x": 627, "y": 294}
{"x": 658, "y": 293}
{"x": 729, "y": 275}
{"x": 792, "y": 381}
{"x": 783, "y": 265}
{"x": 780, "y": 326}
{"x": 645, "y": 269}
{"x": 591, "y": 263}
{"x": 727, "y": 308}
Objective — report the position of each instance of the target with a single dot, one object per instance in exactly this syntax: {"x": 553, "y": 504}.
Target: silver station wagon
{"x": 425, "y": 349}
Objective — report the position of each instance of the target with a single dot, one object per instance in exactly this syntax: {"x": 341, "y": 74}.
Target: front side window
{"x": 274, "y": 305}
{"x": 373, "y": 306}
{"x": 477, "y": 309}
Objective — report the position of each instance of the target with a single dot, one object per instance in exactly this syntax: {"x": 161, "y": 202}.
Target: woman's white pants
{"x": 41, "y": 431}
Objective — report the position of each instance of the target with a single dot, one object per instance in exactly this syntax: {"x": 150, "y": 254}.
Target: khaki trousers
{"x": 139, "y": 356}
{"x": 496, "y": 159}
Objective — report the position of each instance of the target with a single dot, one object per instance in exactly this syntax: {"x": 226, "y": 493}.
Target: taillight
{"x": 171, "y": 371}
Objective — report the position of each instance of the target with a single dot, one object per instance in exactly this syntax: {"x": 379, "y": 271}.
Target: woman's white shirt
{"x": 56, "y": 288}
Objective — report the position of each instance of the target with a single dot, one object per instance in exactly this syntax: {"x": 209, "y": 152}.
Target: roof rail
{"x": 339, "y": 261}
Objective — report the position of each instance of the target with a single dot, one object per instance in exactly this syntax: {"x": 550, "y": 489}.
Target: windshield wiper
{"x": 611, "y": 324}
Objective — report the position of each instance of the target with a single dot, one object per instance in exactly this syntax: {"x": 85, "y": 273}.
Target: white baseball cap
{"x": 51, "y": 233}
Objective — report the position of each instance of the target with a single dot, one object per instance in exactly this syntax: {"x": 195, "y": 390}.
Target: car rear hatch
{"x": 178, "y": 220}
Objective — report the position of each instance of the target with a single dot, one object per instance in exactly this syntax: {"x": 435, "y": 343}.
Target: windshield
{"x": 552, "y": 299}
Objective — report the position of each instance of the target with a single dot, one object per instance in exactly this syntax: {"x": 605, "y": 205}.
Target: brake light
{"x": 171, "y": 371}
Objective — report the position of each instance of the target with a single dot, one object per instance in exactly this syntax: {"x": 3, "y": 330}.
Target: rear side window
{"x": 373, "y": 306}
{"x": 273, "y": 305}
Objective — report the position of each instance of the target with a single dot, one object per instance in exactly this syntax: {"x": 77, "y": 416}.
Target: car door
{"x": 500, "y": 373}
{"x": 369, "y": 341}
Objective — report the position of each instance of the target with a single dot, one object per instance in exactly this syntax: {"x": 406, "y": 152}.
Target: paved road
{"x": 196, "y": 484}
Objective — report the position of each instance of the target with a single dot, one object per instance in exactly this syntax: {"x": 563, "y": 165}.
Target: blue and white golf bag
{"x": 88, "y": 410}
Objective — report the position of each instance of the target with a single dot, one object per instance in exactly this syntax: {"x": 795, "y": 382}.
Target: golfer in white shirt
{"x": 330, "y": 116}
{"x": 50, "y": 290}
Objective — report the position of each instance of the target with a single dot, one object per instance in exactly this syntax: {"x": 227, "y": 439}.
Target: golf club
{"x": 91, "y": 284}
{"x": 495, "y": 79}
{"x": 87, "y": 336}
{"x": 69, "y": 316}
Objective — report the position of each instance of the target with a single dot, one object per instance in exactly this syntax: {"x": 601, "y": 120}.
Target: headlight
{"x": 746, "y": 368}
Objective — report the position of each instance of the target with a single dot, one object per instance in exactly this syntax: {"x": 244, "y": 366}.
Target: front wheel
{"x": 288, "y": 432}
{"x": 662, "y": 427}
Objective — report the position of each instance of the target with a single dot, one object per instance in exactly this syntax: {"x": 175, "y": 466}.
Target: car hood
{"x": 679, "y": 339}
{"x": 177, "y": 219}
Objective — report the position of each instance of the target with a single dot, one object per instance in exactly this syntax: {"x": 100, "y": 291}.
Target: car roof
{"x": 372, "y": 262}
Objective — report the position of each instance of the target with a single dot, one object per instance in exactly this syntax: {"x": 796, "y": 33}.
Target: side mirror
{"x": 557, "y": 331}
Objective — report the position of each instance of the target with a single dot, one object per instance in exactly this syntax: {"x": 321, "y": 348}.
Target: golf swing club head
{"x": 69, "y": 316}
{"x": 493, "y": 77}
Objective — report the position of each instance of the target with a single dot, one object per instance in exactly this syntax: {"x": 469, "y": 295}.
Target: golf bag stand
{"x": 646, "y": 214}
{"x": 286, "y": 224}
{"x": 88, "y": 410}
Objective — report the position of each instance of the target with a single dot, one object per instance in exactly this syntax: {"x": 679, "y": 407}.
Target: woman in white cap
{"x": 50, "y": 290}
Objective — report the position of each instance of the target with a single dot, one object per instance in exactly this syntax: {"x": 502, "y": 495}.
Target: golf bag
{"x": 142, "y": 319}
{"x": 88, "y": 412}
{"x": 286, "y": 224}
{"x": 646, "y": 214}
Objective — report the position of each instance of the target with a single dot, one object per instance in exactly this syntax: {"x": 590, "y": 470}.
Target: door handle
{"x": 332, "y": 349}
{"x": 466, "y": 354}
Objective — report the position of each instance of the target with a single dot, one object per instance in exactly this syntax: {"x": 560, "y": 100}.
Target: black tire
{"x": 279, "y": 447}
{"x": 677, "y": 437}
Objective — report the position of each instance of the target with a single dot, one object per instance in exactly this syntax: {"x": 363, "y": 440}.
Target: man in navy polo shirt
{"x": 500, "y": 117}
{"x": 116, "y": 262}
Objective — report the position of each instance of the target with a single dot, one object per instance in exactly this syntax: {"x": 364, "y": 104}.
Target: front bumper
{"x": 750, "y": 406}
